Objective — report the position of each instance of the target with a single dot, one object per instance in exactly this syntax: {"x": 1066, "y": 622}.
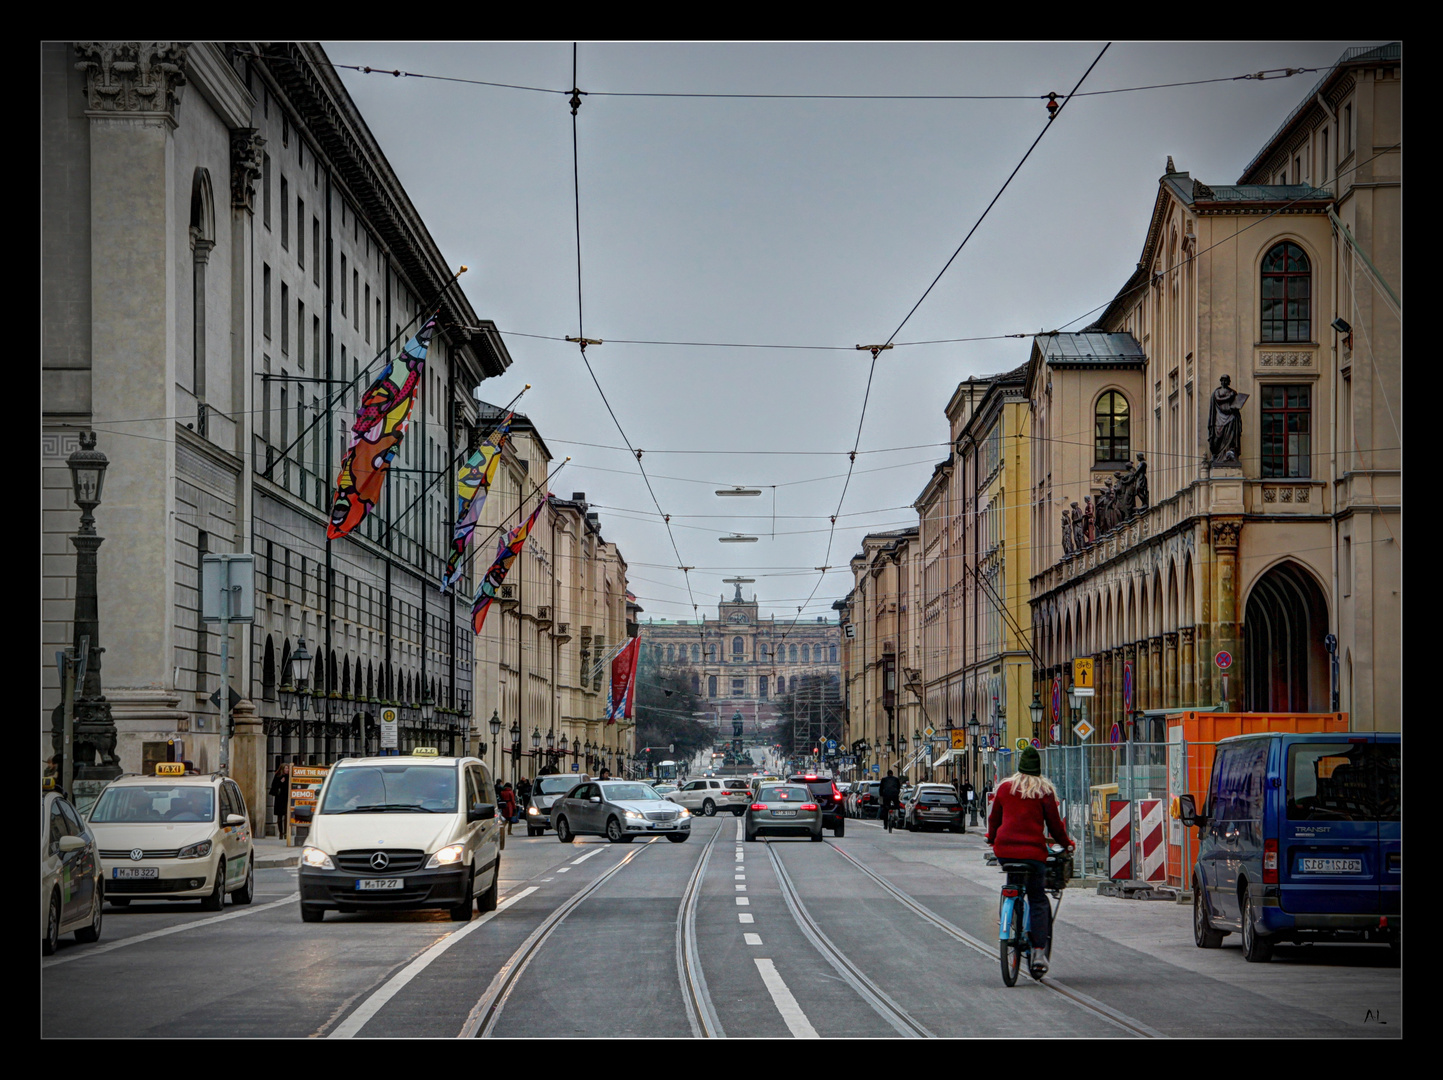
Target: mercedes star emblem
{"x": 380, "y": 860}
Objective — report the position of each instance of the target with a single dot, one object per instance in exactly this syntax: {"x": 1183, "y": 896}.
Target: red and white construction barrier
{"x": 1152, "y": 846}
{"x": 1119, "y": 839}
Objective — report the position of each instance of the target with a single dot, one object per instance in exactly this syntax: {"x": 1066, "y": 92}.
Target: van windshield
{"x": 1343, "y": 782}
{"x": 381, "y": 789}
{"x": 555, "y": 785}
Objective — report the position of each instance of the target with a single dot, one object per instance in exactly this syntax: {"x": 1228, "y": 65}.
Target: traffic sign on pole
{"x": 1223, "y": 660}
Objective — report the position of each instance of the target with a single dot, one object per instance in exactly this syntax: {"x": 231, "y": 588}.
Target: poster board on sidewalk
{"x": 302, "y": 791}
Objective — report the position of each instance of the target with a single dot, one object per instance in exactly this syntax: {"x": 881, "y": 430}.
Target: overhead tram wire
{"x": 366, "y": 69}
{"x": 876, "y": 350}
{"x": 581, "y": 340}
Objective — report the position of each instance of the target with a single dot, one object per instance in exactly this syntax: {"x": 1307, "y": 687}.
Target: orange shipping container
{"x": 1201, "y": 731}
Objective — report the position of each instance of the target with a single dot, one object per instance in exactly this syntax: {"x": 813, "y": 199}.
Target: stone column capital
{"x": 1171, "y": 639}
{"x": 134, "y": 77}
{"x": 1187, "y": 633}
{"x": 1225, "y": 533}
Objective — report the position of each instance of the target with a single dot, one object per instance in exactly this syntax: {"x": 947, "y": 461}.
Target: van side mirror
{"x": 481, "y": 811}
{"x": 1187, "y": 812}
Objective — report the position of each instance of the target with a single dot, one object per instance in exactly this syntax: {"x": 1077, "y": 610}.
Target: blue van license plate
{"x": 1332, "y": 866}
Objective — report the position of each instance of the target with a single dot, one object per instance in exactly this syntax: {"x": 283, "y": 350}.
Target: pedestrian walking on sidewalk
{"x": 279, "y": 791}
{"x": 523, "y": 795}
{"x": 507, "y": 798}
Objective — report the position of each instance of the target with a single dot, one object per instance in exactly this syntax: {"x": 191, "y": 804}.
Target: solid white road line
{"x": 99, "y": 949}
{"x": 796, "y": 1020}
{"x": 372, "y": 1005}
{"x": 589, "y": 854}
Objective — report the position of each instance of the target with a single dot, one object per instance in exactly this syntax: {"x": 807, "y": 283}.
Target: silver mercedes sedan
{"x": 619, "y": 810}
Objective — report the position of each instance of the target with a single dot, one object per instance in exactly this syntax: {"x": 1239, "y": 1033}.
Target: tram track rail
{"x": 900, "y": 1020}
{"x": 482, "y": 1019}
{"x": 486, "y": 1013}
{"x": 701, "y": 1015}
{"x": 1076, "y": 998}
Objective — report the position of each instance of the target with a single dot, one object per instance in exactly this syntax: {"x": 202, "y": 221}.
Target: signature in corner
{"x": 1374, "y": 1016}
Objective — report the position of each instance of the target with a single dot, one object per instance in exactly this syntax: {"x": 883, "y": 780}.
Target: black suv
{"x": 828, "y": 798}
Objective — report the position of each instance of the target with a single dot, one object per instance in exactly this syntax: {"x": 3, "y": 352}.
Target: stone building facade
{"x": 1270, "y": 532}
{"x": 227, "y": 261}
{"x": 564, "y": 613}
{"x": 742, "y": 662}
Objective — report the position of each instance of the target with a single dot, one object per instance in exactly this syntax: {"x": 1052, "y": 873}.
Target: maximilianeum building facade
{"x": 1217, "y": 462}
{"x": 227, "y": 261}
{"x": 743, "y": 663}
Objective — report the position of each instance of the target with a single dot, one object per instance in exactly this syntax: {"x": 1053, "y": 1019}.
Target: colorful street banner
{"x": 506, "y": 553}
{"x": 473, "y": 482}
{"x": 376, "y": 435}
{"x": 621, "y": 697}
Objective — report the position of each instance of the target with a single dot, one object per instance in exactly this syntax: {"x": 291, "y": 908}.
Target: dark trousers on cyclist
{"x": 888, "y": 805}
{"x": 1039, "y": 916}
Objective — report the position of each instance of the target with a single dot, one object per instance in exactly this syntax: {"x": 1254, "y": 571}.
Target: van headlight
{"x": 447, "y": 856}
{"x": 531, "y": 811}
{"x": 315, "y": 857}
{"x": 194, "y": 851}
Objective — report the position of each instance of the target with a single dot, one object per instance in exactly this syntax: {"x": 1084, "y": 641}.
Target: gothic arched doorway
{"x": 1285, "y": 662}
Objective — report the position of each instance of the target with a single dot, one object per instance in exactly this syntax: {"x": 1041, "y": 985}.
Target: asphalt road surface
{"x": 870, "y": 936}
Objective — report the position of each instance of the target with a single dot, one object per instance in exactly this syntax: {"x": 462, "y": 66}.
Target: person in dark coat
{"x": 279, "y": 791}
{"x": 523, "y": 794}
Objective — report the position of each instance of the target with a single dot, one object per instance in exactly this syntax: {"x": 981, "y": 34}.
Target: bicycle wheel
{"x": 1010, "y": 946}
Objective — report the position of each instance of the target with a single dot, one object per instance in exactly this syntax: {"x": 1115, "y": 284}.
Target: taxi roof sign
{"x": 424, "y": 751}
{"x": 170, "y": 768}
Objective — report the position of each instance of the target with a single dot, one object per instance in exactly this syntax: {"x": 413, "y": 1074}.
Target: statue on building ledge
{"x": 1140, "y": 484}
{"x": 1068, "y": 541}
{"x": 1088, "y": 521}
{"x": 1225, "y": 423}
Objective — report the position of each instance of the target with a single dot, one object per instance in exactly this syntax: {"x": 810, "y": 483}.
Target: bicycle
{"x": 1015, "y": 913}
{"x": 889, "y": 813}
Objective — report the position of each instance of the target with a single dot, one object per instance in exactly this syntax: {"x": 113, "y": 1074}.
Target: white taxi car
{"x": 174, "y": 836}
{"x": 71, "y": 888}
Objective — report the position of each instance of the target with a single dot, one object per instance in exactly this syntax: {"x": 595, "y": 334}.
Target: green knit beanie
{"x": 1029, "y": 762}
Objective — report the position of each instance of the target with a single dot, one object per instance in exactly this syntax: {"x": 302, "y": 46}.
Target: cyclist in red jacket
{"x": 1021, "y": 806}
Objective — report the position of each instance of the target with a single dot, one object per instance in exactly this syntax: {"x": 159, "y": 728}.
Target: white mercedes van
{"x": 416, "y": 831}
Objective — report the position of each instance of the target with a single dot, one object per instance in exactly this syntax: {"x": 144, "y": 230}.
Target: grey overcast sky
{"x": 779, "y": 222}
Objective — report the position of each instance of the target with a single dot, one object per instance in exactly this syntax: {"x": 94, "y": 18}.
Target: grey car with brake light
{"x": 784, "y": 810}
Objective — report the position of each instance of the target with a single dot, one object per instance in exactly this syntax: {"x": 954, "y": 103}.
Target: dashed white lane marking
{"x": 372, "y": 1005}
{"x": 589, "y": 854}
{"x": 742, "y": 901}
{"x": 739, "y": 877}
{"x": 563, "y": 869}
{"x": 741, "y": 888}
{"x": 753, "y": 939}
{"x": 746, "y": 916}
{"x": 786, "y": 1004}
{"x": 112, "y": 946}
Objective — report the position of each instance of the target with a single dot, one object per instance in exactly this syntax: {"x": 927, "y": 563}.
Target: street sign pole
{"x": 225, "y": 666}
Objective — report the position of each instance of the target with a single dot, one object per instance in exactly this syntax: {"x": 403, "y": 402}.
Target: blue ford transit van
{"x": 1300, "y": 839}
